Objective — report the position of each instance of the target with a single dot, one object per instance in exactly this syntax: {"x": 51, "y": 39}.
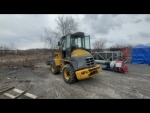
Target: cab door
{"x": 87, "y": 44}
{"x": 68, "y": 48}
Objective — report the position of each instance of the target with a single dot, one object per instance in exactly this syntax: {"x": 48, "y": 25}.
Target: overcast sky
{"x": 25, "y": 30}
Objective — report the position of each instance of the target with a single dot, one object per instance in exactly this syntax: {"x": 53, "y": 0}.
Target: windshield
{"x": 81, "y": 42}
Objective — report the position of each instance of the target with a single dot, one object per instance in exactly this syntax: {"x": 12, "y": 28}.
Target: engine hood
{"x": 82, "y": 58}
{"x": 79, "y": 53}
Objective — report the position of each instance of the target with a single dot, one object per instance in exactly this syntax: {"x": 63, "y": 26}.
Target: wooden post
{"x": 7, "y": 90}
{"x": 22, "y": 93}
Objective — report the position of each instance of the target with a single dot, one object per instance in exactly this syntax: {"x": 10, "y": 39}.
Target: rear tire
{"x": 69, "y": 75}
{"x": 54, "y": 69}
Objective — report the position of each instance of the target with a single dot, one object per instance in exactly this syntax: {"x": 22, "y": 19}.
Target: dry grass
{"x": 14, "y": 61}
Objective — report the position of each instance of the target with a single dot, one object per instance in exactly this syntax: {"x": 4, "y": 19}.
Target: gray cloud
{"x": 102, "y": 23}
{"x": 133, "y": 37}
{"x": 139, "y": 36}
{"x": 147, "y": 19}
{"x": 144, "y": 35}
{"x": 138, "y": 20}
{"x": 114, "y": 15}
{"x": 23, "y": 30}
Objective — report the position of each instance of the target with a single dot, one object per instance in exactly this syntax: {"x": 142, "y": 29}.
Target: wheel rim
{"x": 66, "y": 74}
{"x": 52, "y": 68}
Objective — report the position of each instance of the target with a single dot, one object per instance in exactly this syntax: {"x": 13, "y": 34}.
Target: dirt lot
{"x": 135, "y": 84}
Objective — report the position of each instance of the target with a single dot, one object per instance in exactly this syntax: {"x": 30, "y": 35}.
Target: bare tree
{"x": 1, "y": 47}
{"x": 117, "y": 47}
{"x": 12, "y": 46}
{"x": 99, "y": 44}
{"x": 50, "y": 39}
{"x": 4, "y": 47}
{"x": 66, "y": 24}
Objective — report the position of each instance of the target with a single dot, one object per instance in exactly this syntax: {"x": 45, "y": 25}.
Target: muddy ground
{"x": 135, "y": 84}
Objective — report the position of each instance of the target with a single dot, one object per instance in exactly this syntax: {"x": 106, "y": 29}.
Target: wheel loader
{"x": 74, "y": 60}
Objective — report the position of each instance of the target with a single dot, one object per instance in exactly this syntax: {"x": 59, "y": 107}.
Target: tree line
{"x": 11, "y": 46}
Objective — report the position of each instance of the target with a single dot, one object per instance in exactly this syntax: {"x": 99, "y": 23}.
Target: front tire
{"x": 69, "y": 75}
{"x": 54, "y": 69}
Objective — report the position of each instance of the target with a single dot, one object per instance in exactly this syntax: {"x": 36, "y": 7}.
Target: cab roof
{"x": 77, "y": 34}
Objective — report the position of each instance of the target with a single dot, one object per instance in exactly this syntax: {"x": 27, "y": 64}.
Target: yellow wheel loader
{"x": 74, "y": 60}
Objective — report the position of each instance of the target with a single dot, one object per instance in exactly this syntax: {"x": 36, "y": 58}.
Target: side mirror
{"x": 58, "y": 43}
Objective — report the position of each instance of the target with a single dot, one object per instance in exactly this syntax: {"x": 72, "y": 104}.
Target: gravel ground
{"x": 135, "y": 84}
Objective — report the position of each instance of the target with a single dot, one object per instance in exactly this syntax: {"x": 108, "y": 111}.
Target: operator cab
{"x": 72, "y": 42}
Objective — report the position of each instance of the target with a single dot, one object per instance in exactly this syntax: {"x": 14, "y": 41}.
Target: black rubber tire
{"x": 71, "y": 72}
{"x": 56, "y": 68}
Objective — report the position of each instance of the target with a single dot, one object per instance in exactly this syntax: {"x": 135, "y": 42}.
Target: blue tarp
{"x": 141, "y": 55}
